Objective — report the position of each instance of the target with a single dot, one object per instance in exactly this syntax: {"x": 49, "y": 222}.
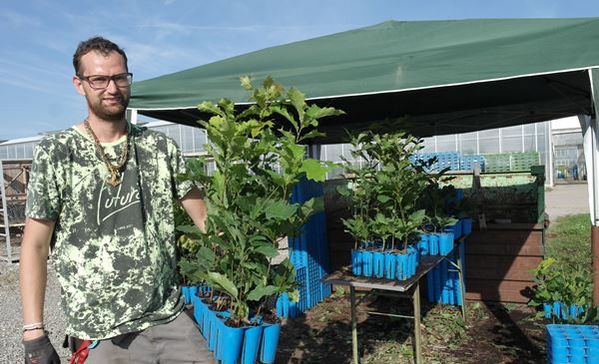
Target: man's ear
{"x": 78, "y": 84}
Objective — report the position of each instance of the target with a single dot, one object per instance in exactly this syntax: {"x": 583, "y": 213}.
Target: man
{"x": 101, "y": 196}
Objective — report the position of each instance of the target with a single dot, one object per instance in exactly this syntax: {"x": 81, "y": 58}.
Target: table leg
{"x": 354, "y": 325}
{"x": 417, "y": 337}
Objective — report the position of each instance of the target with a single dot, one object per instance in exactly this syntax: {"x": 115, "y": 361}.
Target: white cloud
{"x": 19, "y": 20}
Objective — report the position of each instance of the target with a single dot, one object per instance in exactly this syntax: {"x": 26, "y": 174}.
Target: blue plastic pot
{"x": 433, "y": 244}
{"x": 415, "y": 259}
{"x": 401, "y": 266}
{"x": 206, "y": 318}
{"x": 557, "y": 308}
{"x": 229, "y": 342}
{"x": 445, "y": 243}
{"x": 466, "y": 226}
{"x": 390, "y": 265}
{"x": 410, "y": 263}
{"x": 367, "y": 263}
{"x": 251, "y": 344}
{"x": 423, "y": 244}
{"x": 270, "y": 340}
{"x": 378, "y": 261}
{"x": 456, "y": 229}
{"x": 356, "y": 262}
{"x": 186, "y": 296}
{"x": 547, "y": 309}
{"x": 193, "y": 292}
{"x": 198, "y": 311}
{"x": 282, "y": 305}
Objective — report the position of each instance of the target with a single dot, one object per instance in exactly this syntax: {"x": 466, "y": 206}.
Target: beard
{"x": 115, "y": 112}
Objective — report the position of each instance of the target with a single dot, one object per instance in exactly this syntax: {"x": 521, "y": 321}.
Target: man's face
{"x": 107, "y": 103}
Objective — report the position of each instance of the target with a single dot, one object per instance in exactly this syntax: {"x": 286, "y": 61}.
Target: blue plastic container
{"x": 230, "y": 343}
{"x": 270, "y": 340}
{"x": 378, "y": 261}
{"x": 445, "y": 243}
{"x": 356, "y": 262}
{"x": 433, "y": 246}
{"x": 251, "y": 344}
{"x": 282, "y": 305}
{"x": 423, "y": 244}
{"x": 186, "y": 296}
{"x": 367, "y": 263}
{"x": 401, "y": 266}
{"x": 390, "y": 265}
{"x": 466, "y": 226}
{"x": 199, "y": 308}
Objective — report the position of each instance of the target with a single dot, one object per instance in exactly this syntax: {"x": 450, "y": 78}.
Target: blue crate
{"x": 443, "y": 285}
{"x": 444, "y": 160}
{"x": 572, "y": 343}
{"x": 309, "y": 251}
{"x": 467, "y": 162}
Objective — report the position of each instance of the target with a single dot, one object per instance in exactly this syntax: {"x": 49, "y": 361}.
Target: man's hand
{"x": 40, "y": 351}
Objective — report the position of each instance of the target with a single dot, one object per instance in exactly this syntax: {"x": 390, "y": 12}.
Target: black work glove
{"x": 40, "y": 351}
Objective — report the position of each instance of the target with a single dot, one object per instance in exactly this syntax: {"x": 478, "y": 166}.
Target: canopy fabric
{"x": 444, "y": 77}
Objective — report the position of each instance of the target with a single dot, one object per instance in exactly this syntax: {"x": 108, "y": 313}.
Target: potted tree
{"x": 384, "y": 191}
{"x": 249, "y": 210}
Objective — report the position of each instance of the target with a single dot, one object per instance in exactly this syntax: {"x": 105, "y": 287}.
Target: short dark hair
{"x": 97, "y": 44}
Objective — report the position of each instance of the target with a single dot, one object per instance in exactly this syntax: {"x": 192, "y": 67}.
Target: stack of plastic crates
{"x": 523, "y": 161}
{"x": 449, "y": 160}
{"x": 572, "y": 344}
{"x": 309, "y": 254}
{"x": 467, "y": 162}
{"x": 443, "y": 283}
{"x": 497, "y": 162}
{"x": 511, "y": 162}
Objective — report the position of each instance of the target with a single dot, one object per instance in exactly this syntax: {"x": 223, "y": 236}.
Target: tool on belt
{"x": 80, "y": 348}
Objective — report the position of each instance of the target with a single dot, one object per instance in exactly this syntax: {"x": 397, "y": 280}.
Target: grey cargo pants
{"x": 178, "y": 341}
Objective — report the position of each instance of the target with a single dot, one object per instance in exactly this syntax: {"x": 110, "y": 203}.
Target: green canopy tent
{"x": 446, "y": 77}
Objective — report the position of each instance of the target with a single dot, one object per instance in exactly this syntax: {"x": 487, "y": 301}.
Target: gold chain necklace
{"x": 114, "y": 169}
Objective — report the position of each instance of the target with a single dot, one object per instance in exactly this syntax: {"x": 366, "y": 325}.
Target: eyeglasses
{"x": 102, "y": 82}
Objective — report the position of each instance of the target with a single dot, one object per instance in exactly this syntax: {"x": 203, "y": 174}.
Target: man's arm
{"x": 33, "y": 272}
{"x": 193, "y": 203}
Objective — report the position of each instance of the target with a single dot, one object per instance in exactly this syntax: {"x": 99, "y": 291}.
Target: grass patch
{"x": 569, "y": 242}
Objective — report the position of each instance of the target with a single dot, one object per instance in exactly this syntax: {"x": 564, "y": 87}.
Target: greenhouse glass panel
{"x": 332, "y": 152}
{"x": 489, "y": 145}
{"x": 529, "y": 129}
{"x": 486, "y": 134}
{"x": 429, "y": 145}
{"x": 446, "y": 143}
{"x": 511, "y": 144}
{"x": 529, "y": 143}
{"x": 511, "y": 131}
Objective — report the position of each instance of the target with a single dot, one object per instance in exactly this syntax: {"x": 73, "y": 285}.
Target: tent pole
{"x": 595, "y": 252}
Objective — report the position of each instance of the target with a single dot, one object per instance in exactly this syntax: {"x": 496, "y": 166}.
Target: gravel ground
{"x": 11, "y": 350}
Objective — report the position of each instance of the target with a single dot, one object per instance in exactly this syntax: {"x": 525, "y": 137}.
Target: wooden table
{"x": 407, "y": 288}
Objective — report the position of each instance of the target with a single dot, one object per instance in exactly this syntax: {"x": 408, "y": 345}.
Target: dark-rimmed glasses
{"x": 98, "y": 82}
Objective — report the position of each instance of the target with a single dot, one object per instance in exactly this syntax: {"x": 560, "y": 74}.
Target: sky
{"x": 39, "y": 37}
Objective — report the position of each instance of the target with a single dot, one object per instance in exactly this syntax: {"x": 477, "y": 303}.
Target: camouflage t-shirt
{"x": 113, "y": 247}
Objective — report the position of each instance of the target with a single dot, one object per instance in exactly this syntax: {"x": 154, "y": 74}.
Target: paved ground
{"x": 567, "y": 199}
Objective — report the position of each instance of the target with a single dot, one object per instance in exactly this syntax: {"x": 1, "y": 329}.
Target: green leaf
{"x": 314, "y": 170}
{"x": 190, "y": 230}
{"x": 267, "y": 250}
{"x": 279, "y": 210}
{"x": 223, "y": 283}
{"x": 298, "y": 100}
{"x": 261, "y": 291}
